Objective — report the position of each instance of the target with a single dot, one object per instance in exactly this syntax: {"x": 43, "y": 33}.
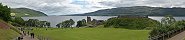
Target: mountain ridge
{"x": 137, "y": 10}
{"x": 26, "y": 12}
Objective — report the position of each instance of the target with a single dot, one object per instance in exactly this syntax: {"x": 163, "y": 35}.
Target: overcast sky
{"x": 65, "y": 7}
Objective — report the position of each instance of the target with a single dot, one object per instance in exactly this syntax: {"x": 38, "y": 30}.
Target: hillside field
{"x": 92, "y": 33}
{"x": 7, "y": 31}
{"x": 8, "y": 34}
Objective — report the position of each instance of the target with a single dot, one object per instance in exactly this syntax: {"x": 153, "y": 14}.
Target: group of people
{"x": 24, "y": 34}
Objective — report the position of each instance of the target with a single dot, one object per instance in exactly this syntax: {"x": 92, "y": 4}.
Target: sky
{"x": 67, "y": 7}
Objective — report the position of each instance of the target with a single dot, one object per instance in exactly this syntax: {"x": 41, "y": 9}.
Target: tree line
{"x": 5, "y": 13}
{"x": 65, "y": 24}
{"x": 37, "y": 23}
{"x": 18, "y": 21}
{"x": 70, "y": 22}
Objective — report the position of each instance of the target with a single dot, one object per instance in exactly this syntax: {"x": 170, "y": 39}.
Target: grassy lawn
{"x": 7, "y": 34}
{"x": 92, "y": 34}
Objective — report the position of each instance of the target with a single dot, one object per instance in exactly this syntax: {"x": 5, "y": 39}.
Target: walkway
{"x": 179, "y": 36}
{"x": 27, "y": 37}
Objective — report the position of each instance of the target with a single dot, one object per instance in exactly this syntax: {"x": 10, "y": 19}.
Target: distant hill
{"x": 137, "y": 10}
{"x": 25, "y": 12}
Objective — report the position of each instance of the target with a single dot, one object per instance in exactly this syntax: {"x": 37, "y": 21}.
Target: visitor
{"x": 32, "y": 35}
{"x": 24, "y": 33}
{"x": 19, "y": 38}
{"x": 21, "y": 29}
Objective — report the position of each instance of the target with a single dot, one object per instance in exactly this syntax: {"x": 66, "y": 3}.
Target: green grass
{"x": 8, "y": 34}
{"x": 92, "y": 34}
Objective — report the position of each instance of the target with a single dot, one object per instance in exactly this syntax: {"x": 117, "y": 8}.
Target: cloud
{"x": 65, "y": 7}
{"x": 153, "y": 3}
{"x": 57, "y": 7}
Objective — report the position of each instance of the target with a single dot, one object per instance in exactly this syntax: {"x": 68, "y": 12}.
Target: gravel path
{"x": 179, "y": 36}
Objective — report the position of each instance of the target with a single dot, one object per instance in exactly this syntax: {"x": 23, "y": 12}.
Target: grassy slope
{"x": 93, "y": 34}
{"x": 8, "y": 34}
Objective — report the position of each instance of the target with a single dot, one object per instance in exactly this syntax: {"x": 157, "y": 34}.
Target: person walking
{"x": 20, "y": 37}
{"x": 32, "y": 35}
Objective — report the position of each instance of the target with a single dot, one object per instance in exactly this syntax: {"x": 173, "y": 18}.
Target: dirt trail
{"x": 179, "y": 36}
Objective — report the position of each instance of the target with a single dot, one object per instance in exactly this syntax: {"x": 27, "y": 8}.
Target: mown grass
{"x": 8, "y": 34}
{"x": 92, "y": 34}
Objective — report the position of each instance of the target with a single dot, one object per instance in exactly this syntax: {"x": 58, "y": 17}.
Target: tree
{"x": 32, "y": 22}
{"x": 37, "y": 23}
{"x": 84, "y": 21}
{"x": 48, "y": 24}
{"x": 71, "y": 22}
{"x": 168, "y": 20}
{"x": 66, "y": 24}
{"x": 59, "y": 25}
{"x": 168, "y": 23}
{"x": 43, "y": 24}
{"x": 81, "y": 23}
{"x": 5, "y": 13}
{"x": 19, "y": 20}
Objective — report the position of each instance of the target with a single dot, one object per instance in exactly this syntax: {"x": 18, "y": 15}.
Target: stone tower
{"x": 88, "y": 19}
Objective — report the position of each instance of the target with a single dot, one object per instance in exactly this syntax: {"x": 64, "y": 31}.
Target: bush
{"x": 168, "y": 23}
{"x": 19, "y": 20}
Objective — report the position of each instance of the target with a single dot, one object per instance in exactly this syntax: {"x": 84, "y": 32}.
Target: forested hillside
{"x": 25, "y": 12}
{"x": 137, "y": 10}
